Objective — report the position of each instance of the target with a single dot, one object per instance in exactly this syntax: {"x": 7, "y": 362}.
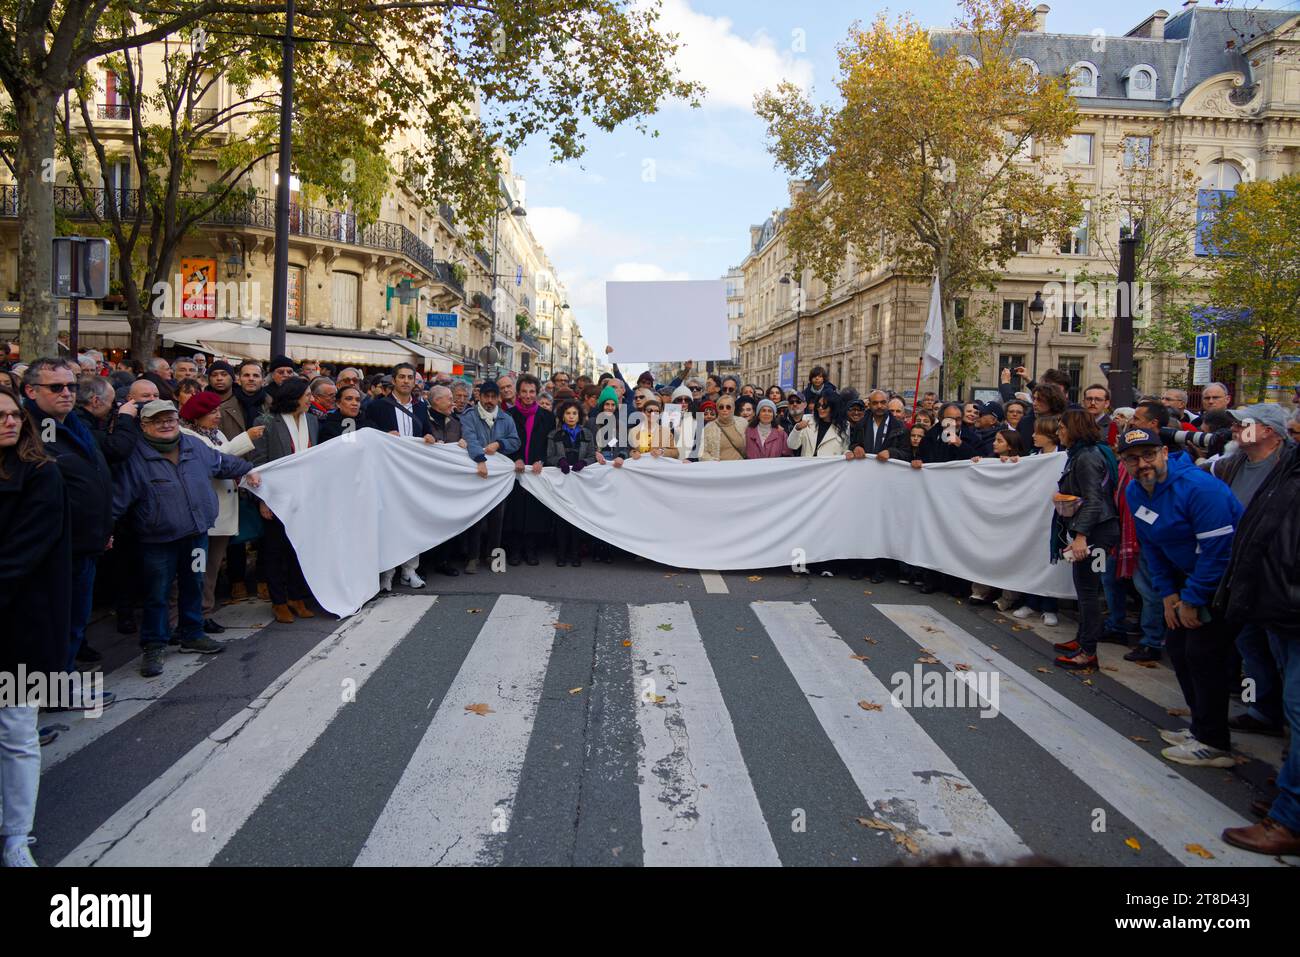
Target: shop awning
{"x": 237, "y": 340}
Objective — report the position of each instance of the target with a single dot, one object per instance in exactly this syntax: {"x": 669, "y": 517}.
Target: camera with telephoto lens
{"x": 1211, "y": 443}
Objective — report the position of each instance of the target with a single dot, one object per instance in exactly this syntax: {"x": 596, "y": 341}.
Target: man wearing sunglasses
{"x": 1185, "y": 520}
{"x": 50, "y": 386}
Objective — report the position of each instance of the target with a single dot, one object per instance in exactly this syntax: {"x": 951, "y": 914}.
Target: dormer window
{"x": 1029, "y": 65}
{"x": 967, "y": 63}
{"x": 1083, "y": 79}
{"x": 1140, "y": 82}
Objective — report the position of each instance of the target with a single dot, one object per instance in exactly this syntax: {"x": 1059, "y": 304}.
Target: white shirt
{"x": 405, "y": 420}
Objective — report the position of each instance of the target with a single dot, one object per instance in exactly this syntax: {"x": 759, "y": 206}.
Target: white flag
{"x": 932, "y": 346}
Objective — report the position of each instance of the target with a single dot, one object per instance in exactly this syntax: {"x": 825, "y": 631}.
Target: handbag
{"x": 250, "y": 520}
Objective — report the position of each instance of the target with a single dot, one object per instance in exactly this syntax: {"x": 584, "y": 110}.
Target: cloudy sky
{"x": 679, "y": 206}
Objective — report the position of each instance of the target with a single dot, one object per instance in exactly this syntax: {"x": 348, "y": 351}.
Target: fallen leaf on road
{"x": 1133, "y": 843}
{"x": 738, "y": 628}
{"x": 871, "y": 641}
{"x": 1139, "y": 739}
{"x": 671, "y": 575}
{"x": 574, "y": 690}
{"x": 1199, "y": 851}
{"x": 665, "y": 627}
{"x": 994, "y": 647}
{"x": 1044, "y": 671}
{"x": 474, "y": 611}
{"x": 754, "y": 578}
{"x": 870, "y": 706}
{"x": 561, "y": 626}
{"x": 1018, "y": 628}
{"x": 660, "y": 699}
{"x": 902, "y": 839}
{"x": 999, "y": 621}
{"x": 859, "y": 657}
{"x": 928, "y": 660}
{"x": 1087, "y": 681}
{"x": 866, "y": 593}
{"x": 874, "y": 823}
{"x": 972, "y": 727}
{"x": 479, "y": 709}
{"x": 627, "y": 642}
{"x": 961, "y": 667}
{"x": 1108, "y": 668}
{"x": 1148, "y": 664}
{"x": 1178, "y": 712}
{"x": 755, "y": 657}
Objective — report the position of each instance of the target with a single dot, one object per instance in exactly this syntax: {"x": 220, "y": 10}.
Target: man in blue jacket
{"x": 1186, "y": 520}
{"x": 165, "y": 489}
{"x": 487, "y": 430}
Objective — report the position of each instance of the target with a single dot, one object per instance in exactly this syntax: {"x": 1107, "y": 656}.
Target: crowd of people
{"x": 1182, "y": 531}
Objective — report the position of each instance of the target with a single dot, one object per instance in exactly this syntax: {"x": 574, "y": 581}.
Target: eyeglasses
{"x": 1149, "y": 456}
{"x": 683, "y": 401}
{"x": 7, "y": 416}
{"x": 57, "y": 387}
{"x": 695, "y": 388}
{"x": 729, "y": 389}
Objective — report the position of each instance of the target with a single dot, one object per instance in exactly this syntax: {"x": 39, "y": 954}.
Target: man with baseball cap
{"x": 165, "y": 490}
{"x": 1185, "y": 521}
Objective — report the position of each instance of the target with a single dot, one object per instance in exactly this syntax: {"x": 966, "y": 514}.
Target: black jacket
{"x": 449, "y": 431}
{"x": 894, "y": 434}
{"x": 35, "y": 567}
{"x": 89, "y": 485}
{"x": 560, "y": 446}
{"x": 1087, "y": 475}
{"x": 382, "y": 414}
{"x": 1262, "y": 583}
{"x": 116, "y": 439}
{"x": 1026, "y": 426}
{"x": 934, "y": 449}
{"x": 543, "y": 426}
{"x": 332, "y": 426}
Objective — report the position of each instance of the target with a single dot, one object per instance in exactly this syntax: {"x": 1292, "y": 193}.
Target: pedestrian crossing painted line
{"x": 453, "y": 802}
{"x": 1169, "y": 808}
{"x": 698, "y": 805}
{"x": 906, "y": 779}
{"x": 187, "y": 815}
{"x": 714, "y": 584}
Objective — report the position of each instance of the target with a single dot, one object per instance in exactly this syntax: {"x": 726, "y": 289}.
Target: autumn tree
{"x": 550, "y": 70}
{"x": 934, "y": 157}
{"x": 1254, "y": 285}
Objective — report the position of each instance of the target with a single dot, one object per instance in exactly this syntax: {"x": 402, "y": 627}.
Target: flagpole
{"x": 916, "y": 396}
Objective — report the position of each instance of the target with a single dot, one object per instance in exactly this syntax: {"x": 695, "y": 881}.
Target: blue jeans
{"x": 163, "y": 563}
{"x": 1153, "y": 608}
{"x": 83, "y": 597}
{"x": 1114, "y": 590}
{"x": 1286, "y": 806}
{"x": 1257, "y": 660}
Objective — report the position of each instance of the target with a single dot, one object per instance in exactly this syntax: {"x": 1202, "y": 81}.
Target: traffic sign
{"x": 1205, "y": 345}
{"x": 441, "y": 320}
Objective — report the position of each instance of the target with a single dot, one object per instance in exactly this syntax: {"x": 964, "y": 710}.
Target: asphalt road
{"x": 632, "y": 714}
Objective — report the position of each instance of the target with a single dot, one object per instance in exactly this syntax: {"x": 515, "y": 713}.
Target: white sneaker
{"x": 1199, "y": 755}
{"x": 904, "y": 581}
{"x": 827, "y": 573}
{"x": 17, "y": 855}
{"x": 386, "y": 580}
{"x": 1050, "y": 619}
{"x": 412, "y": 580}
{"x": 1177, "y": 737}
{"x": 1023, "y": 612}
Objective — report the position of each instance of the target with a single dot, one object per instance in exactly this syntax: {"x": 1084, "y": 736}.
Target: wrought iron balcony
{"x": 114, "y": 111}
{"x": 483, "y": 303}
{"x": 202, "y": 114}
{"x": 482, "y": 256}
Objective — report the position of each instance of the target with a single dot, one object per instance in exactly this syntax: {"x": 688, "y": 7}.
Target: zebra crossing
{"x": 486, "y": 730}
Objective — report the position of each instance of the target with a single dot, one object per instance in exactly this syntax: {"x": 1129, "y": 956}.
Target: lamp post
{"x": 1037, "y": 315}
{"x": 280, "y": 275}
{"x": 798, "y": 321}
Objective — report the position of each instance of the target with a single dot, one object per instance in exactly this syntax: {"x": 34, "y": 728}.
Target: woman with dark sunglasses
{"x": 826, "y": 434}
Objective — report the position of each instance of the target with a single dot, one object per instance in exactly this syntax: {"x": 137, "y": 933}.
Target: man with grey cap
{"x": 165, "y": 490}
{"x": 1260, "y": 434}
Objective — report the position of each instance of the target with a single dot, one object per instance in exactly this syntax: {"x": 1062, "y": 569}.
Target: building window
{"x": 1024, "y": 152}
{"x": 1013, "y": 316}
{"x": 294, "y": 311}
{"x": 1072, "y": 315}
{"x": 1010, "y": 360}
{"x": 875, "y": 371}
{"x": 1073, "y": 367}
{"x": 1083, "y": 79}
{"x": 1137, "y": 152}
{"x": 1218, "y": 185}
{"x": 343, "y": 301}
{"x": 1075, "y": 242}
{"x": 1140, "y": 82}
{"x": 1078, "y": 150}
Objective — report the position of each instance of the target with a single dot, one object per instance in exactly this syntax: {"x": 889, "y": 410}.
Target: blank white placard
{"x": 667, "y": 321}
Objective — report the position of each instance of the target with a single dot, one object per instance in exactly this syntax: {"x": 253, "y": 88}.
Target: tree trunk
{"x": 38, "y": 325}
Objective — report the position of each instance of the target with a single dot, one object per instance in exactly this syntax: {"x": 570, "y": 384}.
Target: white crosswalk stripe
{"x": 1168, "y": 807}
{"x": 458, "y": 790}
{"x": 453, "y": 800}
{"x": 188, "y": 814}
{"x": 697, "y": 802}
{"x": 907, "y": 779}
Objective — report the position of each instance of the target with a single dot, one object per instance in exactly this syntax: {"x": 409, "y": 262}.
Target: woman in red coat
{"x": 765, "y": 439}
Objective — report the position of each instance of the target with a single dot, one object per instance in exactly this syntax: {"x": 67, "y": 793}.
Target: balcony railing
{"x": 202, "y": 114}
{"x": 114, "y": 111}
{"x": 483, "y": 303}
{"x": 482, "y": 256}
{"x": 257, "y": 213}
{"x": 448, "y": 215}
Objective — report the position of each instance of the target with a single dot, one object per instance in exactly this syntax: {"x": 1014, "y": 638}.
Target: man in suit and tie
{"x": 875, "y": 435}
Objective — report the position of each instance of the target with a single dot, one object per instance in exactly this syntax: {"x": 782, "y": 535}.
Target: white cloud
{"x": 733, "y": 69}
{"x": 555, "y": 227}
{"x": 644, "y": 272}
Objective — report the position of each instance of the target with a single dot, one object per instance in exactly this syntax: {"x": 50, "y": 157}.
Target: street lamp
{"x": 798, "y": 317}
{"x": 1037, "y": 315}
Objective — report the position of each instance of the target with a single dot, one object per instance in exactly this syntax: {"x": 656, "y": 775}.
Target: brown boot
{"x": 238, "y": 592}
{"x": 262, "y": 591}
{"x": 283, "y": 615}
{"x": 299, "y": 608}
{"x": 1265, "y": 837}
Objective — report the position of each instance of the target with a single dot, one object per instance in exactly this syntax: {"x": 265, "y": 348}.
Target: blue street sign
{"x": 785, "y": 375}
{"x": 1204, "y": 345}
{"x": 441, "y": 320}
{"x": 1288, "y": 359}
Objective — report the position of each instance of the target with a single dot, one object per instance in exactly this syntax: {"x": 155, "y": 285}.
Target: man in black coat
{"x": 399, "y": 413}
{"x": 879, "y": 431}
{"x": 50, "y": 387}
{"x": 527, "y": 519}
{"x": 115, "y": 429}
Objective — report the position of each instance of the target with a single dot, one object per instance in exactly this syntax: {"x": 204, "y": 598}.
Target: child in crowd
{"x": 570, "y": 448}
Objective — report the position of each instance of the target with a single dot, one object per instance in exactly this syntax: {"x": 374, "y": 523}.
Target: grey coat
{"x": 276, "y": 442}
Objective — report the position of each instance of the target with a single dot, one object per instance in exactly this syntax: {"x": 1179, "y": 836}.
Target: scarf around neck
{"x": 162, "y": 445}
{"x": 489, "y": 417}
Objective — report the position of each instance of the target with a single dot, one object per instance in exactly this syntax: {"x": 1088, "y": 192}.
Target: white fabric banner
{"x": 356, "y": 507}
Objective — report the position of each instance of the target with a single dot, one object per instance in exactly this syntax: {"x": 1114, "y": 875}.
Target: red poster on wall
{"x": 200, "y": 291}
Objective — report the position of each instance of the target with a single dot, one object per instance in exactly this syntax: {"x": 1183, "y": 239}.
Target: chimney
{"x": 1188, "y": 3}
{"x": 754, "y": 233}
{"x": 1153, "y": 27}
{"x": 797, "y": 186}
{"x": 1040, "y": 17}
